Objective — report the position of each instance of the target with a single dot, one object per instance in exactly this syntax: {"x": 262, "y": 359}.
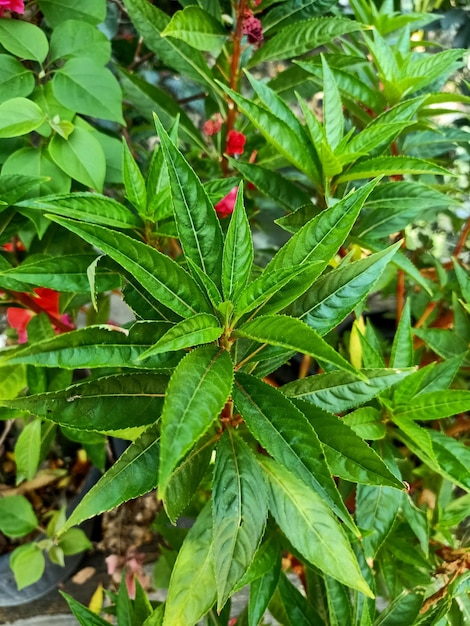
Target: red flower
{"x": 11, "y": 5}
{"x": 44, "y": 299}
{"x": 235, "y": 143}
{"x": 213, "y": 126}
{"x": 225, "y": 207}
{"x": 19, "y": 319}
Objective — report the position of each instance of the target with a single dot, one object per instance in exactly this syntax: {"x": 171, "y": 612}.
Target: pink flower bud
{"x": 225, "y": 207}
{"x": 213, "y": 126}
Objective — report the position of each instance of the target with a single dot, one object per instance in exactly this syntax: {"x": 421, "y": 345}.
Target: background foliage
{"x": 278, "y": 191}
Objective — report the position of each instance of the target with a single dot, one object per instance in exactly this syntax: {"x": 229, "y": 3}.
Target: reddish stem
{"x": 462, "y": 239}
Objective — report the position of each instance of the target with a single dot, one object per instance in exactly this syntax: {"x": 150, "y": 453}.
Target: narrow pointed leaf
{"x": 96, "y": 346}
{"x": 435, "y": 405}
{"x": 277, "y": 132}
{"x": 238, "y": 252}
{"x": 84, "y": 615}
{"x": 453, "y": 457}
{"x": 323, "y": 235}
{"x": 402, "y": 347}
{"x": 337, "y": 293}
{"x": 287, "y": 435}
{"x": 240, "y": 508}
{"x": 197, "y": 392}
{"x": 332, "y": 107}
{"x": 376, "y": 510}
{"x": 156, "y": 272}
{"x": 347, "y": 455}
{"x": 196, "y": 220}
{"x": 192, "y": 589}
{"x": 88, "y": 207}
{"x": 186, "y": 477}
{"x": 391, "y": 166}
{"x": 134, "y": 182}
{"x": 134, "y": 474}
{"x": 64, "y": 273}
{"x": 298, "y": 38}
{"x": 293, "y": 334}
{"x": 106, "y": 404}
{"x": 311, "y": 527}
{"x": 202, "y": 328}
{"x": 338, "y": 391}
{"x": 275, "y": 289}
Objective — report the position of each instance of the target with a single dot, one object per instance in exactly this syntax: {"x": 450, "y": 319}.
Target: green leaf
{"x": 293, "y": 334}
{"x": 202, "y": 328}
{"x": 149, "y": 100}
{"x": 24, "y": 40}
{"x": 56, "y": 11}
{"x": 240, "y": 508}
{"x": 366, "y": 422}
{"x": 186, "y": 477}
{"x": 17, "y": 517}
{"x": 197, "y": 28}
{"x": 157, "y": 273}
{"x": 402, "y": 347}
{"x": 107, "y": 404}
{"x": 294, "y": 11}
{"x": 277, "y": 132}
{"x": 287, "y": 435}
{"x": 196, "y": 220}
{"x": 65, "y": 273}
{"x": 19, "y": 116}
{"x": 27, "y": 450}
{"x": 390, "y": 166}
{"x": 238, "y": 252}
{"x": 311, "y": 527}
{"x": 347, "y": 455}
{"x": 338, "y": 391}
{"x": 332, "y": 108}
{"x": 338, "y": 292}
{"x": 298, "y": 38}
{"x": 435, "y": 405}
{"x": 15, "y": 79}
{"x": 84, "y": 615}
{"x": 74, "y": 541}
{"x": 196, "y": 394}
{"x": 404, "y": 608}
{"x": 320, "y": 238}
{"x": 287, "y": 194}
{"x": 13, "y": 381}
{"x": 261, "y": 592}
{"x": 88, "y": 88}
{"x": 376, "y": 510}
{"x": 133, "y": 474}
{"x": 274, "y": 289}
{"x": 150, "y": 21}
{"x": 192, "y": 589}
{"x": 76, "y": 38}
{"x": 134, "y": 182}
{"x": 87, "y": 207}
{"x": 36, "y": 162}
{"x": 463, "y": 280}
{"x": 28, "y": 564}
{"x": 94, "y": 346}
{"x": 80, "y": 156}
{"x": 297, "y": 607}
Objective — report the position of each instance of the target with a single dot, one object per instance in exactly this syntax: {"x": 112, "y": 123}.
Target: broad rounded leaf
{"x": 36, "y": 162}
{"x": 24, "y": 40}
{"x": 56, "y": 11}
{"x": 80, "y": 156}
{"x": 28, "y": 564}
{"x": 19, "y": 116}
{"x": 15, "y": 79}
{"x": 83, "y": 86}
{"x": 17, "y": 517}
{"x": 75, "y": 38}
{"x": 197, "y": 28}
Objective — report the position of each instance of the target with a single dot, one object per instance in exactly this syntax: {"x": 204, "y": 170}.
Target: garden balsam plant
{"x": 190, "y": 389}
